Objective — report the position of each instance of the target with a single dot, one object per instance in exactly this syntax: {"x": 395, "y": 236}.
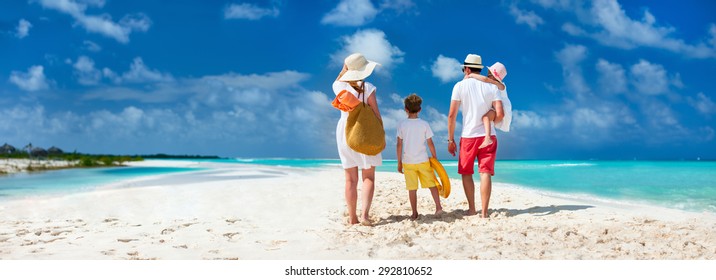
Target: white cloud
{"x": 612, "y": 77}
{"x": 396, "y": 98}
{"x": 446, "y": 69}
{"x": 573, "y": 30}
{"x": 438, "y": 121}
{"x": 400, "y": 6}
{"x": 23, "y": 28}
{"x": 588, "y": 117}
{"x": 606, "y": 22}
{"x": 101, "y": 24}
{"x": 570, "y": 57}
{"x": 703, "y": 104}
{"x": 660, "y": 115}
{"x": 707, "y": 132}
{"x": 555, "y": 4}
{"x": 86, "y": 73}
{"x": 137, "y": 21}
{"x": 210, "y": 90}
{"x": 529, "y": 18}
{"x": 351, "y": 13}
{"x": 91, "y": 46}
{"x": 248, "y": 11}
{"x": 140, "y": 73}
{"x": 270, "y": 114}
{"x": 33, "y": 80}
{"x": 374, "y": 45}
{"x": 525, "y": 119}
{"x": 615, "y": 28}
{"x": 649, "y": 78}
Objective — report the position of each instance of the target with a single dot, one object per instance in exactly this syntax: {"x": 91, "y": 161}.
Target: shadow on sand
{"x": 460, "y": 214}
{"x": 543, "y": 210}
{"x": 448, "y": 217}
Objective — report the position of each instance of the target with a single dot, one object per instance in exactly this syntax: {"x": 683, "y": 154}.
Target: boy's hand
{"x": 400, "y": 167}
{"x": 452, "y": 147}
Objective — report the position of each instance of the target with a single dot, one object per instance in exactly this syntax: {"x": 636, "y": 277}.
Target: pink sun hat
{"x": 498, "y": 71}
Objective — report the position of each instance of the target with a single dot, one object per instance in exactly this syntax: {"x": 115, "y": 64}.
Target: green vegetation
{"x": 165, "y": 156}
{"x": 37, "y": 156}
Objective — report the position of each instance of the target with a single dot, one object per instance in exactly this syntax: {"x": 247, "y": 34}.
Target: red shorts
{"x": 485, "y": 156}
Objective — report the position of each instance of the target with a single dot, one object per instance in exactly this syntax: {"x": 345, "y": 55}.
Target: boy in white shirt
{"x": 413, "y": 133}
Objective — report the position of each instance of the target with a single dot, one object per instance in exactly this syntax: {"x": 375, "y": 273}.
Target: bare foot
{"x": 366, "y": 222}
{"x": 439, "y": 212}
{"x": 471, "y": 212}
{"x": 352, "y": 221}
{"x": 414, "y": 217}
{"x": 485, "y": 143}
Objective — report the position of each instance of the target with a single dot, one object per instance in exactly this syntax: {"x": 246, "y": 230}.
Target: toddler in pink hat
{"x": 495, "y": 75}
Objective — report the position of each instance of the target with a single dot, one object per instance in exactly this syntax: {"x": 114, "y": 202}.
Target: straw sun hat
{"x": 473, "y": 61}
{"x": 358, "y": 66}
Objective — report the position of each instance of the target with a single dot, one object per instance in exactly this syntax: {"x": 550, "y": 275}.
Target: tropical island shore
{"x": 236, "y": 211}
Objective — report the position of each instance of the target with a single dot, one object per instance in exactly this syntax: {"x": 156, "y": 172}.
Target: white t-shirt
{"x": 414, "y": 133}
{"x": 476, "y": 99}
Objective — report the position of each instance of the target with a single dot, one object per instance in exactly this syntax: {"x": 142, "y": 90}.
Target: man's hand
{"x": 400, "y": 167}
{"x": 452, "y": 147}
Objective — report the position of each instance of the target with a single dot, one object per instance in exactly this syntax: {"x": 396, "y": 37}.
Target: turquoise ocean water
{"x": 65, "y": 181}
{"x": 687, "y": 185}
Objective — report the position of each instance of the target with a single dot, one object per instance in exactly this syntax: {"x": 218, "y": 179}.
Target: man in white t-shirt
{"x": 474, "y": 98}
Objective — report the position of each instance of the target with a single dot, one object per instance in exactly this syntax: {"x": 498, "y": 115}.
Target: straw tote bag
{"x": 364, "y": 131}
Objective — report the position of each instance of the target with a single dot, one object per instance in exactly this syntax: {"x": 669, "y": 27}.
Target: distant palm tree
{"x": 28, "y": 148}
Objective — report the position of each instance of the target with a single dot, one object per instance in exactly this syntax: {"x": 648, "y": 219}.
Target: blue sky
{"x": 602, "y": 79}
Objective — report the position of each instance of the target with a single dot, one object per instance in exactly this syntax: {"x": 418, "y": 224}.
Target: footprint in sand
{"x": 56, "y": 233}
{"x": 109, "y": 252}
{"x": 230, "y": 235}
{"x": 175, "y": 228}
{"x": 273, "y": 244}
{"x": 126, "y": 240}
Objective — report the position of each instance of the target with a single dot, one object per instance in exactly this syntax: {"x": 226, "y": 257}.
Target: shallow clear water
{"x": 73, "y": 180}
{"x": 688, "y": 185}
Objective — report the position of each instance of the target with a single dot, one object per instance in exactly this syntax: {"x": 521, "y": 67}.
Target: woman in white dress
{"x": 352, "y": 79}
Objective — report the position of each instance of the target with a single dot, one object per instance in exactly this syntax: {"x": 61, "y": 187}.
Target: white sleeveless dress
{"x": 349, "y": 157}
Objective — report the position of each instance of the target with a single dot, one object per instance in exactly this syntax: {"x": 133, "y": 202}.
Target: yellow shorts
{"x": 420, "y": 171}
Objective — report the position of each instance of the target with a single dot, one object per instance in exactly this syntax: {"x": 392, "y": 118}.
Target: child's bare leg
{"x": 436, "y": 197}
{"x": 486, "y": 120}
{"x": 413, "y": 195}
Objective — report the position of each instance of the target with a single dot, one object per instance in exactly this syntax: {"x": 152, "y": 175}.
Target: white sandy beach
{"x": 256, "y": 212}
{"x": 9, "y": 166}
